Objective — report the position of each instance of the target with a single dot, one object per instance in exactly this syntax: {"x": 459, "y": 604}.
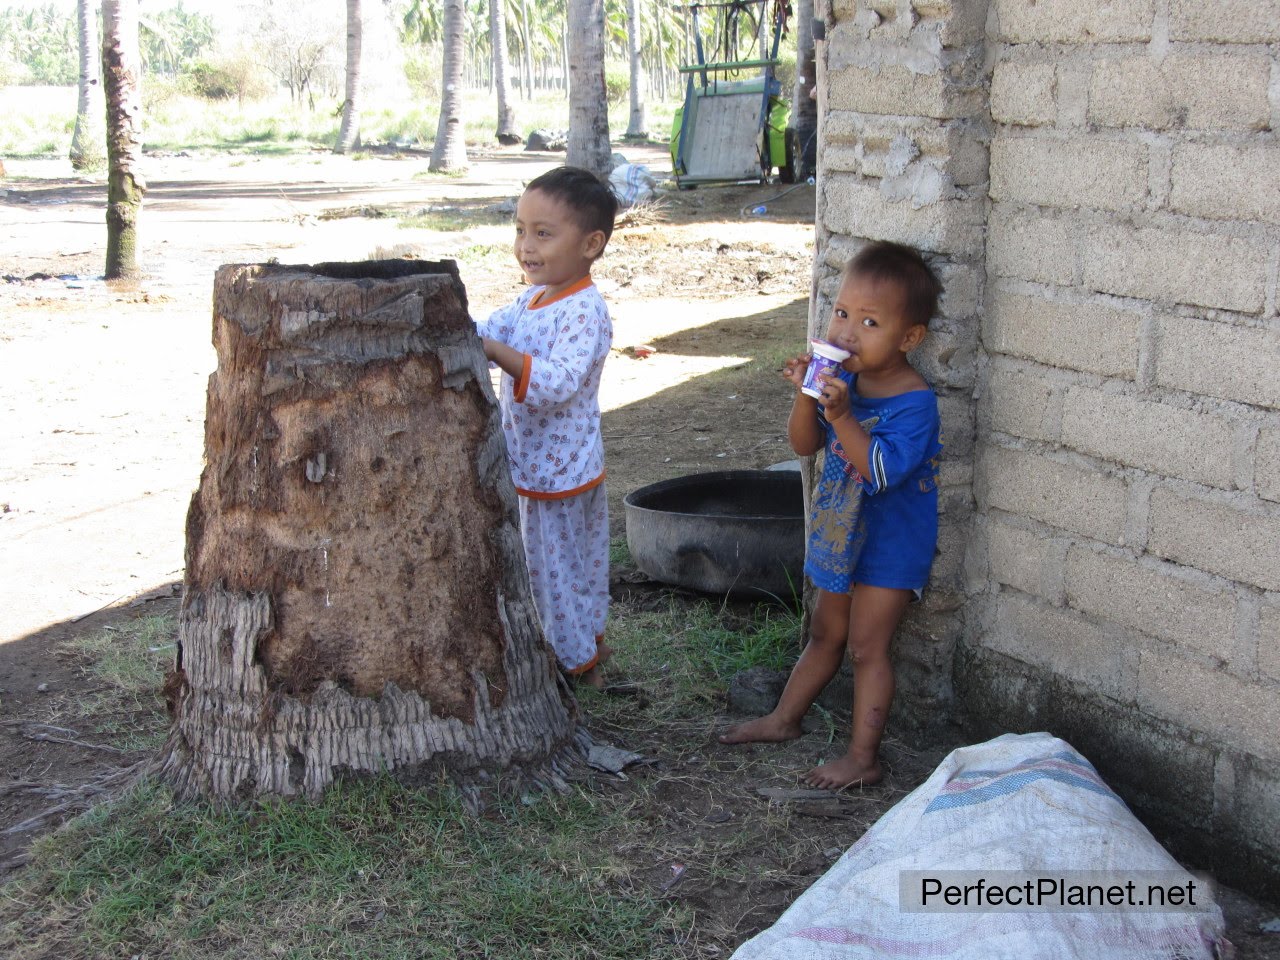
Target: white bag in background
{"x": 632, "y": 183}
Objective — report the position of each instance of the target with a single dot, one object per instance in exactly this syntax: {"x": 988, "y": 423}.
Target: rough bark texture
{"x": 121, "y": 71}
{"x": 637, "y": 124}
{"x": 356, "y": 597}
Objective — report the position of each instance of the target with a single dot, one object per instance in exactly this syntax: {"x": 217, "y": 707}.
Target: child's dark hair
{"x": 882, "y": 260}
{"x": 588, "y": 197}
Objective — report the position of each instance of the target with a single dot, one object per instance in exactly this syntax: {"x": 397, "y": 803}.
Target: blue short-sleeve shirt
{"x": 880, "y": 530}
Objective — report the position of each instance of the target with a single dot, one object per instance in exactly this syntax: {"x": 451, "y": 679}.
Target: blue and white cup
{"x": 827, "y": 358}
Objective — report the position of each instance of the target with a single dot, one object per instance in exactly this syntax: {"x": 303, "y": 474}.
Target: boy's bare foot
{"x": 594, "y": 677}
{"x": 766, "y": 729}
{"x": 844, "y": 772}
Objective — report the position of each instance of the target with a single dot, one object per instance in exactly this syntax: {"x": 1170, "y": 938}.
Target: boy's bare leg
{"x": 874, "y": 616}
{"x": 818, "y": 663}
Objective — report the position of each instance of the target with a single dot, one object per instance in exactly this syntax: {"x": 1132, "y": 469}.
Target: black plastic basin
{"x": 734, "y": 531}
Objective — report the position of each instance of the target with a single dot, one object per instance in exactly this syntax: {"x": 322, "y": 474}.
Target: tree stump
{"x": 356, "y": 597}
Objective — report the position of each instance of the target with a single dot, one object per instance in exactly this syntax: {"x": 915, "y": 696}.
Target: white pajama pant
{"x": 566, "y": 545}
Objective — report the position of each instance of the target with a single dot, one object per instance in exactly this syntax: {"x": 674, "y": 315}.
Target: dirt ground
{"x": 103, "y": 400}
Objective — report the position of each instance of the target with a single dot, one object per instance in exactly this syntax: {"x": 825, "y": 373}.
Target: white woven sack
{"x": 1027, "y": 803}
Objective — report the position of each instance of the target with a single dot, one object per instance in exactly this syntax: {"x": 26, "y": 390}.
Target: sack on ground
{"x": 1000, "y": 810}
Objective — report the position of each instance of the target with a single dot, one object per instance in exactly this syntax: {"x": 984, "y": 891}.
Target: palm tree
{"x": 121, "y": 70}
{"x": 637, "y": 125}
{"x": 804, "y": 109}
{"x": 86, "y": 141}
{"x": 507, "y": 132}
{"x": 588, "y": 110}
{"x": 356, "y": 598}
{"x": 349, "y": 132}
{"x": 450, "y": 150}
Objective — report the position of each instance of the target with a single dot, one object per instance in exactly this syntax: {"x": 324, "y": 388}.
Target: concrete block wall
{"x": 1098, "y": 181}
{"x": 903, "y": 157}
{"x": 1127, "y": 538}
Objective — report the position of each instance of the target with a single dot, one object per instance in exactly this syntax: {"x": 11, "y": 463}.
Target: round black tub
{"x": 733, "y": 531}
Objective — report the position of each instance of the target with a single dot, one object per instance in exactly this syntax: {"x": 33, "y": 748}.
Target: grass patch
{"x": 694, "y": 649}
{"x": 449, "y": 221}
{"x": 130, "y": 657}
{"x": 373, "y": 869}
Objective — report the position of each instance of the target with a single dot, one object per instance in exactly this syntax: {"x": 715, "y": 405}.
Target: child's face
{"x": 552, "y": 250}
{"x": 869, "y": 320}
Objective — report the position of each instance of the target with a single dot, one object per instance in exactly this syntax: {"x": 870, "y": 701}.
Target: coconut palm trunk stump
{"x": 356, "y": 598}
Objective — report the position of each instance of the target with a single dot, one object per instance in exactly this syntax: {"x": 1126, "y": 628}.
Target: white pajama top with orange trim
{"x": 551, "y": 413}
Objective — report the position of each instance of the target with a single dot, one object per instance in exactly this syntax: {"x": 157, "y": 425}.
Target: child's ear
{"x": 913, "y": 337}
{"x": 593, "y": 244}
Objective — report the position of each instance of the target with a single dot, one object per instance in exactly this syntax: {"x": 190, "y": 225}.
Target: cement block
{"x": 1269, "y": 638}
{"x": 1088, "y": 336}
{"x": 1024, "y": 94}
{"x": 1155, "y": 598}
{"x": 1219, "y": 360}
{"x": 1069, "y": 173}
{"x": 1266, "y": 465}
{"x": 1225, "y": 21}
{"x": 959, "y": 22}
{"x": 1150, "y": 435}
{"x": 895, "y": 90}
{"x": 1016, "y": 403}
{"x": 1065, "y": 643}
{"x": 1233, "y": 541}
{"x": 856, "y": 207}
{"x": 1220, "y": 92}
{"x": 1020, "y": 558}
{"x": 1028, "y": 246}
{"x": 1242, "y": 715}
{"x": 1197, "y": 92}
{"x": 1226, "y": 183}
{"x": 1178, "y": 266}
{"x": 1070, "y": 21}
{"x": 1060, "y": 494}
{"x": 1130, "y": 92}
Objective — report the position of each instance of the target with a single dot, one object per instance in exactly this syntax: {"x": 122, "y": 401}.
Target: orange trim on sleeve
{"x": 522, "y": 382}
{"x": 583, "y": 668}
{"x": 537, "y": 303}
{"x": 560, "y": 494}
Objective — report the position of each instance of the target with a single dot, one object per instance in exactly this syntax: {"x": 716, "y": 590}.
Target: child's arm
{"x": 803, "y": 431}
{"x": 835, "y": 407}
{"x": 508, "y": 358}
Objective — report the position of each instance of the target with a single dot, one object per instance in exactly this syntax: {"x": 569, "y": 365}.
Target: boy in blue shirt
{"x": 875, "y": 509}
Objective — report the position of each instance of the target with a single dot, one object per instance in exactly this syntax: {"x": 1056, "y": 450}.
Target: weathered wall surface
{"x": 1099, "y": 184}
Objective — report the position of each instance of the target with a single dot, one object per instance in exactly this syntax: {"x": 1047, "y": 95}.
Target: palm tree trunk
{"x": 588, "y": 109}
{"x": 450, "y": 149}
{"x": 87, "y": 141}
{"x": 637, "y": 124}
{"x": 349, "y": 132}
{"x": 804, "y": 108}
{"x": 527, "y": 53}
{"x": 356, "y": 597}
{"x": 125, "y": 186}
{"x": 508, "y": 127}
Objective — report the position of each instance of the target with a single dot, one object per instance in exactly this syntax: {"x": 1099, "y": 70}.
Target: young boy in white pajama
{"x": 551, "y": 344}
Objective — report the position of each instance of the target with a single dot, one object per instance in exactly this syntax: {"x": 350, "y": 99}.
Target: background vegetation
{"x": 258, "y": 77}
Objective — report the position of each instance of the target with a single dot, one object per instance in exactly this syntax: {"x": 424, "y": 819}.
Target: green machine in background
{"x": 730, "y": 130}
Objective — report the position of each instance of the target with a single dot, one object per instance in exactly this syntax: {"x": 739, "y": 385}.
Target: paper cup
{"x": 827, "y": 358}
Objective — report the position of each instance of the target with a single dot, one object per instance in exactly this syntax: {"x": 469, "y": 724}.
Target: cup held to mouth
{"x": 827, "y": 357}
